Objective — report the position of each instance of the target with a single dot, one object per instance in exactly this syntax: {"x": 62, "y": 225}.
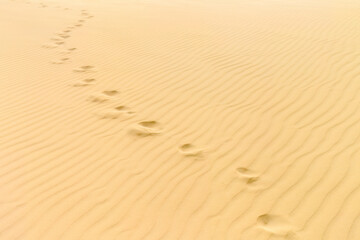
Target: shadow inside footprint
{"x": 111, "y": 92}
{"x": 146, "y": 128}
{"x": 120, "y": 108}
{"x": 189, "y": 149}
{"x": 148, "y": 124}
{"x": 84, "y": 69}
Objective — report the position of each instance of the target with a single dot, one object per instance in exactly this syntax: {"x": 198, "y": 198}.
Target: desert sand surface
{"x": 179, "y": 120}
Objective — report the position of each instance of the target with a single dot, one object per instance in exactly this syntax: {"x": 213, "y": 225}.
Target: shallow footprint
{"x": 85, "y": 82}
{"x": 68, "y": 51}
{"x": 63, "y": 35}
{"x": 57, "y": 39}
{"x": 59, "y": 43}
{"x": 276, "y": 225}
{"x": 247, "y": 175}
{"x": 117, "y": 112}
{"x": 146, "y": 128}
{"x": 98, "y": 98}
{"x": 49, "y": 45}
{"x": 189, "y": 149}
{"x": 103, "y": 97}
{"x": 84, "y": 69}
{"x": 61, "y": 61}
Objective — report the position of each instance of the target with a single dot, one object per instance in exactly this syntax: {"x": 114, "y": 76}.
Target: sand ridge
{"x": 179, "y": 119}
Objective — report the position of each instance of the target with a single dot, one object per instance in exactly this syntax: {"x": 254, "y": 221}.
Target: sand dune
{"x": 184, "y": 119}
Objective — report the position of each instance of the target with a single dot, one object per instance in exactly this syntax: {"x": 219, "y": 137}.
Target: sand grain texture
{"x": 184, "y": 119}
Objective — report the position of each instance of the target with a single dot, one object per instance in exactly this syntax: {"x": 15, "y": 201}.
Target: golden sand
{"x": 179, "y": 120}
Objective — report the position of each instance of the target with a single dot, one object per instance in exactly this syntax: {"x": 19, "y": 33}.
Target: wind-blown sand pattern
{"x": 183, "y": 119}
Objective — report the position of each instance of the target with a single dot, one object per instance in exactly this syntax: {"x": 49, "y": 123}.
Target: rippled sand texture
{"x": 179, "y": 120}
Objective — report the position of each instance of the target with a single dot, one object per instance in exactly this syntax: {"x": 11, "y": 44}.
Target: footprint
{"x": 102, "y": 97}
{"x": 85, "y": 69}
{"x": 85, "y": 82}
{"x": 276, "y": 225}
{"x": 49, "y": 45}
{"x": 120, "y": 108}
{"x": 117, "y": 112}
{"x": 110, "y": 92}
{"x": 57, "y": 39}
{"x": 67, "y": 51}
{"x": 61, "y": 61}
{"x": 98, "y": 98}
{"x": 124, "y": 109}
{"x": 63, "y": 35}
{"x": 189, "y": 149}
{"x": 247, "y": 175}
{"x": 78, "y": 25}
{"x": 146, "y": 128}
{"x": 59, "y": 43}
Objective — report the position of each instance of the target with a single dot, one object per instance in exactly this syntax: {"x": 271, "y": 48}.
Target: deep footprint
{"x": 189, "y": 149}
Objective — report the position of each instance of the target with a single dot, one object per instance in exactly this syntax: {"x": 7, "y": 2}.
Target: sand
{"x": 182, "y": 119}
